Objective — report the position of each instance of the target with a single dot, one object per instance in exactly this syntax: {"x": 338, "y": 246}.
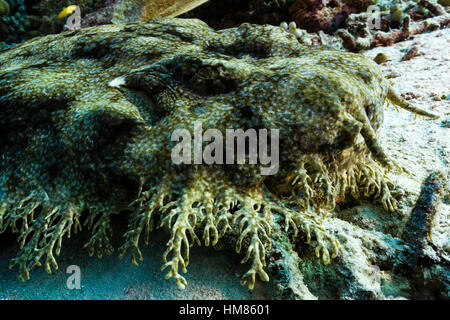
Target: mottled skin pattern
{"x": 86, "y": 123}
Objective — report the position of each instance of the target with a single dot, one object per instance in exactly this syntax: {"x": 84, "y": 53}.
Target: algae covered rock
{"x": 87, "y": 123}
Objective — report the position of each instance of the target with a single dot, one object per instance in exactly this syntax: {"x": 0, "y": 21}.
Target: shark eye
{"x": 202, "y": 79}
{"x": 211, "y": 80}
{"x": 103, "y": 131}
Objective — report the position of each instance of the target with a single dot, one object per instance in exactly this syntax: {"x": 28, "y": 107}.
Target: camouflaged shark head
{"x": 86, "y": 119}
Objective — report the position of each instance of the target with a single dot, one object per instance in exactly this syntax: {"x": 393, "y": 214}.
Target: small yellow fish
{"x": 67, "y": 11}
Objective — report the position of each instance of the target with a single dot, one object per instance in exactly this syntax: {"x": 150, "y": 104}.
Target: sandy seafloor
{"x": 420, "y": 146}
